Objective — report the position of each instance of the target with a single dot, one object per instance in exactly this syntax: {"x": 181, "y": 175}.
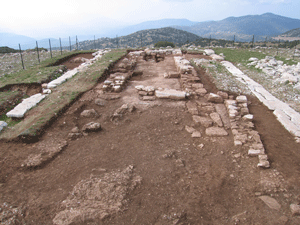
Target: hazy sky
{"x": 41, "y": 19}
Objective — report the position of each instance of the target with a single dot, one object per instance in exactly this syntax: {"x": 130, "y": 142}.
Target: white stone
{"x": 196, "y": 134}
{"x": 2, "y": 125}
{"x": 20, "y": 110}
{"x": 69, "y": 74}
{"x": 248, "y": 117}
{"x": 253, "y": 59}
{"x": 241, "y": 99}
{"x": 47, "y": 91}
{"x": 209, "y": 51}
{"x": 171, "y": 94}
{"x": 271, "y": 202}
{"x": 140, "y": 87}
{"x": 253, "y": 152}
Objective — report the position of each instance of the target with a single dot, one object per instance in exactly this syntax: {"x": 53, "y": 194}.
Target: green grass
{"x": 60, "y": 98}
{"x": 37, "y": 74}
{"x": 239, "y": 55}
{"x": 289, "y": 62}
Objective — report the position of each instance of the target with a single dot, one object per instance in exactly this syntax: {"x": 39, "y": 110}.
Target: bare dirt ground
{"x": 145, "y": 168}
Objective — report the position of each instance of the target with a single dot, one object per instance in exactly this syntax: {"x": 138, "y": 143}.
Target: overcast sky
{"x": 55, "y": 18}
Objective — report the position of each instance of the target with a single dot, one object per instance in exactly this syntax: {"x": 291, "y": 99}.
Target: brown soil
{"x": 181, "y": 181}
{"x": 71, "y": 64}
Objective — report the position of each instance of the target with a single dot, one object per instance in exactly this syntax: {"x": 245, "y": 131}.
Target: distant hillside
{"x": 7, "y": 50}
{"x": 154, "y": 25}
{"x": 142, "y": 38}
{"x": 244, "y": 27}
{"x": 291, "y": 35}
{"x": 13, "y": 40}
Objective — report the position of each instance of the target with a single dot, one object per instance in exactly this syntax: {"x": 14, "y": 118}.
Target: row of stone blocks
{"x": 117, "y": 80}
{"x": 242, "y": 129}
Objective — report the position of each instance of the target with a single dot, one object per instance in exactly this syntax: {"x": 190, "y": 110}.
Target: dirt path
{"x": 149, "y": 168}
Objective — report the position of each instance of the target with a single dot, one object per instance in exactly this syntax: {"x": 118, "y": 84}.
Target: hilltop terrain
{"x": 244, "y": 27}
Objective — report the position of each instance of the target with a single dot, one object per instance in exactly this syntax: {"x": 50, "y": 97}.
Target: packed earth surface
{"x": 125, "y": 155}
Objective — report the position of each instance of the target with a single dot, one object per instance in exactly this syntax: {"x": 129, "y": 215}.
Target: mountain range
{"x": 241, "y": 28}
{"x": 244, "y": 27}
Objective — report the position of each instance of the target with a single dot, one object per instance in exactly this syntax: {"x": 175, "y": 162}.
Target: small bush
{"x": 164, "y": 44}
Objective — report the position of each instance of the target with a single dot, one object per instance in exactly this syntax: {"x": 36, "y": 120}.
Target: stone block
{"x": 204, "y": 121}
{"x": 215, "y": 131}
{"x": 170, "y": 94}
{"x": 241, "y": 99}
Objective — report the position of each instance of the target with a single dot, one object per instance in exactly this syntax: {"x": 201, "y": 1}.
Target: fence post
{"x": 76, "y": 43}
{"x": 253, "y": 42}
{"x": 60, "y": 46}
{"x": 70, "y": 43}
{"x": 233, "y": 40}
{"x": 117, "y": 41}
{"x": 209, "y": 40}
{"x": 50, "y": 48}
{"x": 141, "y": 39}
{"x": 21, "y": 57}
{"x": 94, "y": 42}
{"x": 37, "y": 50}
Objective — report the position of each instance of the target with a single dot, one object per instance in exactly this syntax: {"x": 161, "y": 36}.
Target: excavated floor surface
{"x": 184, "y": 180}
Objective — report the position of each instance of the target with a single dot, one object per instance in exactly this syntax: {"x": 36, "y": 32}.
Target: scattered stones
{"x": 125, "y": 108}
{"x": 215, "y": 131}
{"x": 89, "y": 113}
{"x": 91, "y": 127}
{"x": 48, "y": 150}
{"x": 190, "y": 129}
{"x": 295, "y": 209}
{"x": 270, "y": 202}
{"x": 97, "y": 197}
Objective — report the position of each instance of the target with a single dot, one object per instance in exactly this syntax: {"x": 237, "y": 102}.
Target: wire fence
{"x": 28, "y": 55}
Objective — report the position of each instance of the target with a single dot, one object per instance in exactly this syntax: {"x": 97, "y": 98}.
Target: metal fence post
{"x": 50, "y": 48}
{"x": 70, "y": 43}
{"x": 60, "y": 46}
{"x": 94, "y": 42}
{"x": 37, "y": 50}
{"x": 76, "y": 43}
{"x": 21, "y": 57}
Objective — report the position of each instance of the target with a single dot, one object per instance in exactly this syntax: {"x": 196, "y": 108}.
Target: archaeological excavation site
{"x": 148, "y": 137}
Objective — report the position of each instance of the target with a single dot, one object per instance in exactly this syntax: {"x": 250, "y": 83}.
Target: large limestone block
{"x": 20, "y": 110}
{"x": 171, "y": 94}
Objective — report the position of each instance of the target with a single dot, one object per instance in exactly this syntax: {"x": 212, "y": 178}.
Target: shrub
{"x": 164, "y": 44}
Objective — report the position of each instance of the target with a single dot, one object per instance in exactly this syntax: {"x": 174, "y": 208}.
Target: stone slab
{"x": 216, "y": 131}
{"x": 170, "y": 94}
{"x": 20, "y": 110}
